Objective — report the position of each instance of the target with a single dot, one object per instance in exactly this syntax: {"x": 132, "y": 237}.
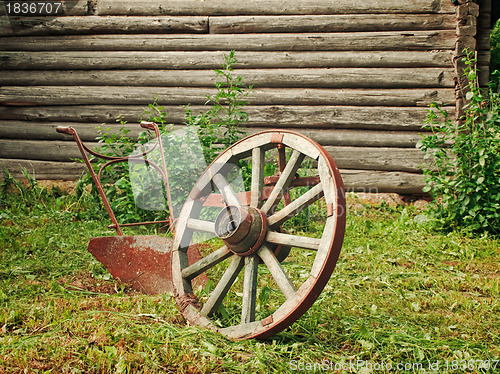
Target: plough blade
{"x": 143, "y": 262}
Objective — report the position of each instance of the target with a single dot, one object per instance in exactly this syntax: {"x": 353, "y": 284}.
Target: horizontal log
{"x": 88, "y": 95}
{"x": 365, "y": 158}
{"x": 42, "y": 170}
{"x": 263, "y": 7}
{"x": 91, "y": 60}
{"x": 377, "y": 158}
{"x": 30, "y": 130}
{"x": 115, "y": 95}
{"x": 313, "y": 78}
{"x": 331, "y": 23}
{"x": 354, "y": 180}
{"x": 71, "y": 25}
{"x": 355, "y": 41}
{"x": 383, "y": 182}
{"x": 361, "y": 138}
{"x": 42, "y": 150}
{"x": 338, "y": 117}
{"x": 277, "y": 116}
{"x": 332, "y": 78}
{"x": 92, "y": 25}
{"x": 86, "y": 114}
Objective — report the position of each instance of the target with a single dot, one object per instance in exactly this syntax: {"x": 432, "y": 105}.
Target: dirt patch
{"x": 65, "y": 186}
{"x": 85, "y": 282}
{"x": 357, "y": 200}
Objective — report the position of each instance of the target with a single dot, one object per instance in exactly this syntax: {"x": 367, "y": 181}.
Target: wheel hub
{"x": 242, "y": 228}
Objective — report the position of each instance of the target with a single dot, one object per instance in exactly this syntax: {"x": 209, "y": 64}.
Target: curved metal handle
{"x": 64, "y": 130}
{"x": 148, "y": 125}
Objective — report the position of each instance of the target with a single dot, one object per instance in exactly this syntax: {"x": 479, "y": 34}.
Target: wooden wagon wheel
{"x": 270, "y": 295}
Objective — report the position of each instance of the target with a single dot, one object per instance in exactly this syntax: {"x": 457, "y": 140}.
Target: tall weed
{"x": 217, "y": 128}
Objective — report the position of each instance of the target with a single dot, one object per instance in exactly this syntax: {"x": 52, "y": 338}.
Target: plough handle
{"x": 148, "y": 125}
{"x": 83, "y": 149}
{"x": 64, "y": 130}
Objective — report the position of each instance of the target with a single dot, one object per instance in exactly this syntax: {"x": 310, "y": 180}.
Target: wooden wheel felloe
{"x": 283, "y": 269}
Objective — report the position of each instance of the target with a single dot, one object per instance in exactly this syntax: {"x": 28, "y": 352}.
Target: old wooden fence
{"x": 355, "y": 75}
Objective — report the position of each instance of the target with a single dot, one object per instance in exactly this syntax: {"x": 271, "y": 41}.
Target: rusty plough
{"x": 241, "y": 202}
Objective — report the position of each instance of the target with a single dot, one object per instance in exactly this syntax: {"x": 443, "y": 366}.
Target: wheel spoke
{"x": 226, "y": 190}
{"x": 249, "y": 289}
{"x": 222, "y": 288}
{"x": 293, "y": 240}
{"x": 257, "y": 177}
{"x": 281, "y": 165}
{"x": 296, "y": 206}
{"x": 284, "y": 181}
{"x": 206, "y": 263}
{"x": 200, "y": 225}
{"x": 284, "y": 283}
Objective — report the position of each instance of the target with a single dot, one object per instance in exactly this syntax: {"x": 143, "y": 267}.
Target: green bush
{"x": 463, "y": 173}
{"x": 217, "y": 128}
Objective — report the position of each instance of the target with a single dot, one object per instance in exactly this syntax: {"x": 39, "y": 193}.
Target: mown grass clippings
{"x": 401, "y": 293}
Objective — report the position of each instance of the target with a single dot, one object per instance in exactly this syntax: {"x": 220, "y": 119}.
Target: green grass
{"x": 400, "y": 294}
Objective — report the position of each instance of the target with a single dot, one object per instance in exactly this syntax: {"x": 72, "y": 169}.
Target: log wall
{"x": 354, "y": 75}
